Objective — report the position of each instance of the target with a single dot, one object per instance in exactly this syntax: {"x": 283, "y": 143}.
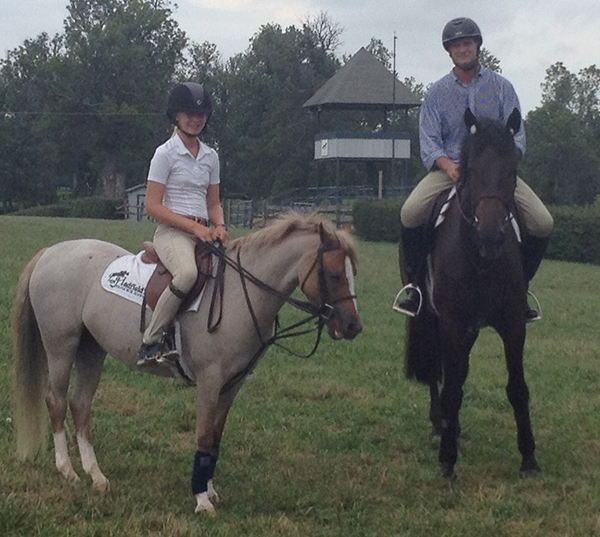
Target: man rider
{"x": 442, "y": 130}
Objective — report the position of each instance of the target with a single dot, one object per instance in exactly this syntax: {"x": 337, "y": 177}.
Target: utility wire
{"x": 9, "y": 114}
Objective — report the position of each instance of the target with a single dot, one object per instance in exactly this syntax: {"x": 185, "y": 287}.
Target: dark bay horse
{"x": 476, "y": 279}
{"x": 66, "y": 321}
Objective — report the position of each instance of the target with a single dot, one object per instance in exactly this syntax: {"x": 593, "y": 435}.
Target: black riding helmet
{"x": 188, "y": 97}
{"x": 460, "y": 28}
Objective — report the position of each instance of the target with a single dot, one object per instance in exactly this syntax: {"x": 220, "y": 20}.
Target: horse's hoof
{"x": 530, "y": 473}
{"x": 204, "y": 511}
{"x": 204, "y": 505}
{"x": 448, "y": 472}
{"x": 72, "y": 478}
{"x": 530, "y": 469}
{"x": 101, "y": 485}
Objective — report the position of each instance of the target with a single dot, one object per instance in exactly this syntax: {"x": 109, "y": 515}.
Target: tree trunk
{"x": 112, "y": 179}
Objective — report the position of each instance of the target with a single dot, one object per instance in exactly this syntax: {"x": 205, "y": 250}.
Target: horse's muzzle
{"x": 491, "y": 223}
{"x": 344, "y": 324}
{"x": 491, "y": 250}
{"x": 491, "y": 241}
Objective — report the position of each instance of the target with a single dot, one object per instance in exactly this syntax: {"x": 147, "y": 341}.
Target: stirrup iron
{"x": 538, "y": 307}
{"x": 397, "y": 300}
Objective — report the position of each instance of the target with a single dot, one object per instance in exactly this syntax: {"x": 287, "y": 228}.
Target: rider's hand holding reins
{"x": 448, "y": 166}
{"x": 220, "y": 233}
{"x": 203, "y": 232}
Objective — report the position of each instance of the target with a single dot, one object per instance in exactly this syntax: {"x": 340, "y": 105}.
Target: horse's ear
{"x": 327, "y": 240}
{"x": 470, "y": 121}
{"x": 323, "y": 234}
{"x": 514, "y": 122}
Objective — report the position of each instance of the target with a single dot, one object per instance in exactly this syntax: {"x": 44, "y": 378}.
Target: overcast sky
{"x": 527, "y": 36}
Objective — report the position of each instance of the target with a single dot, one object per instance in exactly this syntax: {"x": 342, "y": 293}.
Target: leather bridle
{"x": 323, "y": 312}
{"x": 473, "y": 221}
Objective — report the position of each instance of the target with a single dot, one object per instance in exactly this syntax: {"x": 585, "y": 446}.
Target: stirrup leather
{"x": 398, "y": 299}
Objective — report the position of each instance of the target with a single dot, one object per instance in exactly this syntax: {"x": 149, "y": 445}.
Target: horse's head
{"x": 329, "y": 283}
{"x": 489, "y": 162}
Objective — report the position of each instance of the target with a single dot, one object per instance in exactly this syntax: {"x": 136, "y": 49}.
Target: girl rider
{"x": 183, "y": 195}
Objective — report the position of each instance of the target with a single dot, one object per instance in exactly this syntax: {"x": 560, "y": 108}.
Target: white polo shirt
{"x": 186, "y": 178}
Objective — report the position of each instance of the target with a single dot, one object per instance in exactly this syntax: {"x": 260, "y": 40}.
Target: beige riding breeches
{"x": 415, "y": 211}
{"x": 176, "y": 249}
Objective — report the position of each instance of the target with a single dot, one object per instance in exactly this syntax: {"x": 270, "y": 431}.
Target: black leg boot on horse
{"x": 413, "y": 255}
{"x": 532, "y": 253}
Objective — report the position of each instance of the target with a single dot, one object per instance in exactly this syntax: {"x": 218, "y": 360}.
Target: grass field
{"x": 336, "y": 445}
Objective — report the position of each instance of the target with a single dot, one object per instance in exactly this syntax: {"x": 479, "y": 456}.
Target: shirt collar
{"x": 478, "y": 75}
{"x": 182, "y": 150}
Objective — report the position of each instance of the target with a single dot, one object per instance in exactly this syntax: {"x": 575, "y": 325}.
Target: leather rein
{"x": 322, "y": 312}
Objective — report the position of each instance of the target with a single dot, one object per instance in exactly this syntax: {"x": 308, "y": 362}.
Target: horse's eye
{"x": 336, "y": 277}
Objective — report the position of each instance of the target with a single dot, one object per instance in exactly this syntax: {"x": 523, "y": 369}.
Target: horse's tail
{"x": 30, "y": 370}
{"x": 422, "y": 358}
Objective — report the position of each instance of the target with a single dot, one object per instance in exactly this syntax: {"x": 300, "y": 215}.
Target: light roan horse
{"x": 65, "y": 320}
{"x": 476, "y": 280}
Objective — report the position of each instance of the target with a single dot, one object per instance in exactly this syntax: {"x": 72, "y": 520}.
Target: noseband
{"x": 473, "y": 220}
{"x": 326, "y": 306}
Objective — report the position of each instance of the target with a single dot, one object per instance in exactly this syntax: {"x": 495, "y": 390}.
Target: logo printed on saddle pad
{"x": 127, "y": 277}
{"x": 119, "y": 280}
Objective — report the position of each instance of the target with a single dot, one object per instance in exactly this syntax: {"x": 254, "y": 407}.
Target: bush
{"x": 377, "y": 219}
{"x": 44, "y": 210}
{"x": 576, "y": 235}
{"x": 94, "y": 207}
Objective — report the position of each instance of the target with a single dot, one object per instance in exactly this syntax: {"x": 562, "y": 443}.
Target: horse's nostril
{"x": 354, "y": 328}
{"x": 491, "y": 238}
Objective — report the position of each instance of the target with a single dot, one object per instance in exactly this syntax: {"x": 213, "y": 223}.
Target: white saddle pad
{"x": 128, "y": 276}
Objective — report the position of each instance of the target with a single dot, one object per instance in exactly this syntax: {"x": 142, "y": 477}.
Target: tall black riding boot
{"x": 532, "y": 253}
{"x": 413, "y": 253}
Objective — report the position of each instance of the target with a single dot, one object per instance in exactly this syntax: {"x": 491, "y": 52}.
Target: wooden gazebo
{"x": 363, "y": 84}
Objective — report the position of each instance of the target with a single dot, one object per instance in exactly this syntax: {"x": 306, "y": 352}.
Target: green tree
{"x": 487, "y": 59}
{"x": 559, "y": 86}
{"x": 562, "y": 161}
{"x": 579, "y": 93}
{"x": 90, "y": 102}
{"x": 323, "y": 33}
{"x": 123, "y": 55}
{"x": 267, "y": 138}
{"x": 28, "y": 76}
{"x": 378, "y": 49}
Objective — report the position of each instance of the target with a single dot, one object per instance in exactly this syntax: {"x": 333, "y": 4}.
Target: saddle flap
{"x": 161, "y": 278}
{"x": 149, "y": 255}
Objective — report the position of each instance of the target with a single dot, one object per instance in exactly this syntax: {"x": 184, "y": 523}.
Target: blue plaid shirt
{"x": 442, "y": 127}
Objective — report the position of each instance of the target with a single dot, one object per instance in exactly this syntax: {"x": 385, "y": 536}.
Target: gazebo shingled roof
{"x": 363, "y": 83}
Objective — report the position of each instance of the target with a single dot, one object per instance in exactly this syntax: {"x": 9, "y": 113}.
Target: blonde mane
{"x": 293, "y": 222}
